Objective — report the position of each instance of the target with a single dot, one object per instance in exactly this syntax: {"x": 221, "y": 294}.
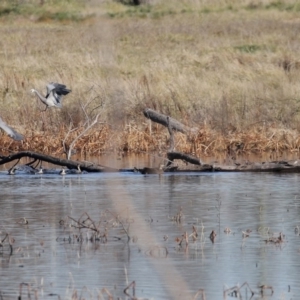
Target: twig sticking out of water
{"x": 227, "y": 230}
{"x": 200, "y": 292}
{"x": 178, "y": 217}
{"x": 246, "y": 233}
{"x": 28, "y": 290}
{"x": 22, "y": 221}
{"x": 89, "y": 224}
{"x": 266, "y": 287}
{"x": 194, "y": 234}
{"x": 120, "y": 222}
{"x": 185, "y": 238}
{"x": 212, "y": 236}
{"x": 276, "y": 240}
{"x": 10, "y": 241}
{"x": 106, "y": 291}
{"x": 218, "y": 207}
{"x": 81, "y": 294}
{"x": 91, "y": 231}
{"x": 132, "y": 284}
{"x": 235, "y": 291}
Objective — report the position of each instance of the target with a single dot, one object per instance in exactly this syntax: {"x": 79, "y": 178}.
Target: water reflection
{"x": 45, "y": 257}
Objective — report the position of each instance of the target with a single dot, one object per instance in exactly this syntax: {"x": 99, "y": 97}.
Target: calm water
{"x": 45, "y": 258}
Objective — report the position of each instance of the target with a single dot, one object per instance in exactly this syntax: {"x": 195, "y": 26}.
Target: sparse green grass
{"x": 40, "y": 10}
{"x": 249, "y": 48}
{"x": 218, "y": 64}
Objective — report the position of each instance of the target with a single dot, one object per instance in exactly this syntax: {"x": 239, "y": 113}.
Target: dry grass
{"x": 231, "y": 68}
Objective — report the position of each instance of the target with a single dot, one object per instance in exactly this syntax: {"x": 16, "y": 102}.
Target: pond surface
{"x": 155, "y": 210}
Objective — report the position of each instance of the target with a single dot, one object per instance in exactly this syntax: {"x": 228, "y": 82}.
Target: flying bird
{"x": 55, "y": 93}
{"x": 10, "y": 131}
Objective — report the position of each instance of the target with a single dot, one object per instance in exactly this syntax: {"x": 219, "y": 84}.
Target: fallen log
{"x": 167, "y": 121}
{"x": 172, "y": 125}
{"x": 70, "y": 164}
{"x": 257, "y": 167}
{"x": 186, "y": 157}
{"x": 195, "y": 165}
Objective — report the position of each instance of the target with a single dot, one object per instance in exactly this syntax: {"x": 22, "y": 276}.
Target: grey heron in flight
{"x": 55, "y": 93}
{"x": 10, "y": 131}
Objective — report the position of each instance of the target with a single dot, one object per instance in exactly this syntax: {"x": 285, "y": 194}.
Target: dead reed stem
{"x": 100, "y": 142}
{"x": 132, "y": 284}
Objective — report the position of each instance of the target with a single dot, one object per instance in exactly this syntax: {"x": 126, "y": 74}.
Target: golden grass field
{"x": 231, "y": 68}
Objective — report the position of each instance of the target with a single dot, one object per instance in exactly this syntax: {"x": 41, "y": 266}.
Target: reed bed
{"x": 229, "y": 68}
{"x": 205, "y": 143}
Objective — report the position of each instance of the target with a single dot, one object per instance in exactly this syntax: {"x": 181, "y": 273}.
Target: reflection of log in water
{"x": 146, "y": 170}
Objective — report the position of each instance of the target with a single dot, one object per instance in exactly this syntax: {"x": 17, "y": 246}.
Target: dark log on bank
{"x": 70, "y": 164}
{"x": 186, "y": 157}
{"x": 272, "y": 167}
{"x": 167, "y": 121}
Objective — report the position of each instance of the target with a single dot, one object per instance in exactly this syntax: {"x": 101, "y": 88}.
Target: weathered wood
{"x": 186, "y": 157}
{"x": 163, "y": 120}
{"x": 172, "y": 142}
{"x": 272, "y": 167}
{"x": 70, "y": 164}
{"x": 194, "y": 166}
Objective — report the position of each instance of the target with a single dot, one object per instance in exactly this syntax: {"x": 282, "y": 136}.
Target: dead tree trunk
{"x": 173, "y": 125}
{"x": 172, "y": 142}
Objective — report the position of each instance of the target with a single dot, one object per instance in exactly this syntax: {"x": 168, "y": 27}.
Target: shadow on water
{"x": 70, "y": 233}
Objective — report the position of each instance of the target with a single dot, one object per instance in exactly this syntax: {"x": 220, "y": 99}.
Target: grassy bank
{"x": 230, "y": 68}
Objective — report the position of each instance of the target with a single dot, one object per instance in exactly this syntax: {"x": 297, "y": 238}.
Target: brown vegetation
{"x": 229, "y": 68}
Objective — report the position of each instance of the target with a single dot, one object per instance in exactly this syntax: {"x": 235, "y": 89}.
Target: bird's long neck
{"x": 40, "y": 96}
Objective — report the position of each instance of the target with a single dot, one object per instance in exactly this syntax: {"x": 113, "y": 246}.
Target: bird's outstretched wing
{"x": 10, "y": 131}
{"x": 58, "y": 91}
